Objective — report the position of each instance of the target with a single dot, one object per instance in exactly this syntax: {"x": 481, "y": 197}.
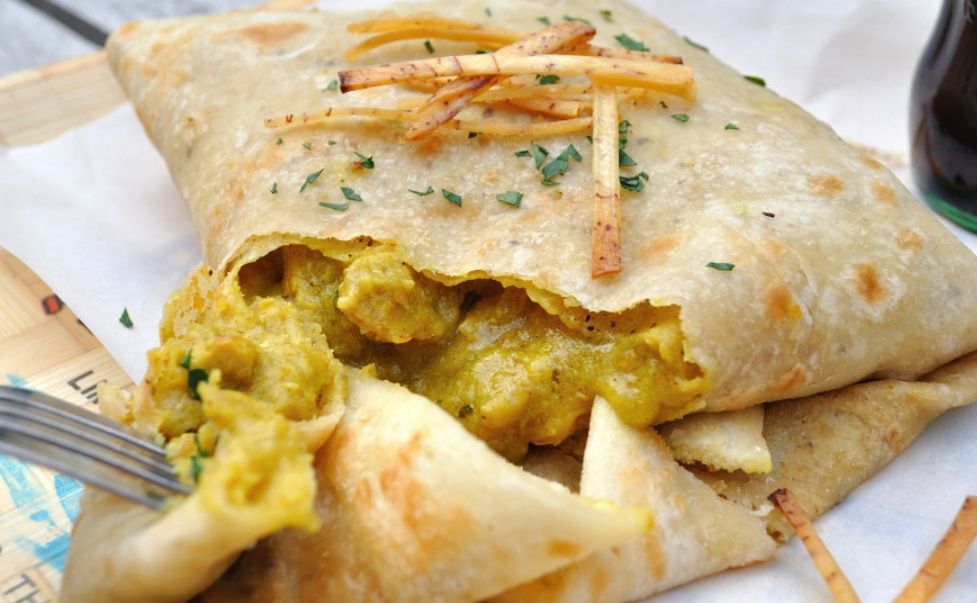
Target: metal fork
{"x": 44, "y": 430}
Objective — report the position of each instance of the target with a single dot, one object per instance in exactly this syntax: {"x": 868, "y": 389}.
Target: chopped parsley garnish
{"x": 608, "y": 16}
{"x": 623, "y": 159}
{"x": 279, "y": 141}
{"x": 365, "y": 161}
{"x": 307, "y": 146}
{"x": 332, "y": 142}
{"x": 185, "y": 363}
{"x": 274, "y": 188}
{"x": 483, "y": 51}
{"x": 430, "y": 189}
{"x": 452, "y": 197}
{"x": 429, "y": 46}
{"x": 755, "y": 79}
{"x": 539, "y": 154}
{"x": 472, "y": 134}
{"x": 309, "y": 180}
{"x": 195, "y": 465}
{"x": 630, "y": 43}
{"x": 559, "y": 165}
{"x": 662, "y": 104}
{"x": 124, "y": 319}
{"x": 731, "y": 126}
{"x": 634, "y": 183}
{"x": 513, "y": 198}
{"x": 333, "y": 85}
{"x": 341, "y": 206}
{"x": 543, "y": 20}
{"x": 350, "y": 193}
{"x": 465, "y": 410}
{"x": 722, "y": 266}
{"x": 581, "y": 19}
{"x": 682, "y": 117}
{"x": 547, "y": 79}
{"x": 194, "y": 378}
{"x": 522, "y": 153}
{"x": 694, "y": 44}
{"x": 769, "y": 214}
{"x": 195, "y": 468}
{"x": 488, "y": 12}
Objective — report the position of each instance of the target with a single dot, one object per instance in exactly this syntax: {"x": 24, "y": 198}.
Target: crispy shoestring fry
{"x": 511, "y": 76}
{"x": 328, "y": 113}
{"x": 404, "y": 25}
{"x": 668, "y": 78}
{"x": 531, "y": 129}
{"x": 482, "y": 126}
{"x": 385, "y": 24}
{"x": 945, "y": 557}
{"x": 452, "y": 98}
{"x": 624, "y": 53}
{"x": 553, "y": 107}
{"x": 605, "y": 239}
{"x": 841, "y": 589}
{"x": 490, "y": 38}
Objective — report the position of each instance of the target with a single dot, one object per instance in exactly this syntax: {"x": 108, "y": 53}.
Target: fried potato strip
{"x": 663, "y": 77}
{"x": 945, "y": 557}
{"x": 452, "y": 98}
{"x": 841, "y": 589}
{"x": 605, "y": 239}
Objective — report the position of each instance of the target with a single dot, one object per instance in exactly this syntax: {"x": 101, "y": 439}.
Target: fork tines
{"x": 41, "y": 429}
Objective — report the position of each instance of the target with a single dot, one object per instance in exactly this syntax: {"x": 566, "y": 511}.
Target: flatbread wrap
{"x": 765, "y": 262}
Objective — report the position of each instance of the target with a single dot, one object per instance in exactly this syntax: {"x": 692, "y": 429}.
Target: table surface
{"x": 34, "y": 33}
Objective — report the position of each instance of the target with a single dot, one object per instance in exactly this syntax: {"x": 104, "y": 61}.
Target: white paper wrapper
{"x": 94, "y": 213}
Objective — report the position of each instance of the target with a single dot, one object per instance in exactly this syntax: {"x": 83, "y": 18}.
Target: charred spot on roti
{"x": 825, "y": 185}
{"x": 660, "y": 246}
{"x": 271, "y": 33}
{"x": 779, "y": 304}
{"x": 562, "y": 548}
{"x": 867, "y": 283}
{"x": 598, "y": 584}
{"x": 790, "y": 381}
{"x": 128, "y": 29}
{"x": 910, "y": 240}
{"x": 870, "y": 162}
{"x": 884, "y": 193}
{"x": 654, "y": 555}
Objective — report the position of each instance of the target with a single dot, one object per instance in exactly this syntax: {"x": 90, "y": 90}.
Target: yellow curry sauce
{"x": 515, "y": 365}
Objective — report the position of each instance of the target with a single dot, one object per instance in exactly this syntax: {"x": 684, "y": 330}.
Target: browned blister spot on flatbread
{"x": 659, "y": 247}
{"x": 271, "y": 33}
{"x": 562, "y": 548}
{"x": 871, "y": 162}
{"x": 910, "y": 240}
{"x": 790, "y": 381}
{"x": 128, "y": 28}
{"x": 598, "y": 584}
{"x": 868, "y": 284}
{"x": 654, "y": 555}
{"x": 884, "y": 193}
{"x": 779, "y": 304}
{"x": 825, "y": 186}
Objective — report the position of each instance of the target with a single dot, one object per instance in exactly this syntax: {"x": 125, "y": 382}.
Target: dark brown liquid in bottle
{"x": 944, "y": 115}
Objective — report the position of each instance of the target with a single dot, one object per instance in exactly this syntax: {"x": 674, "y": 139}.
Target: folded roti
{"x": 697, "y": 533}
{"x": 841, "y": 283}
{"x": 836, "y": 271}
{"x": 416, "y": 509}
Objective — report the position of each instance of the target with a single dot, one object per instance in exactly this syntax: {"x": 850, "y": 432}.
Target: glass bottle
{"x": 943, "y": 115}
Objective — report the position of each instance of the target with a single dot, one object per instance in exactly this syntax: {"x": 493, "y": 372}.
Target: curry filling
{"x": 517, "y": 366}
